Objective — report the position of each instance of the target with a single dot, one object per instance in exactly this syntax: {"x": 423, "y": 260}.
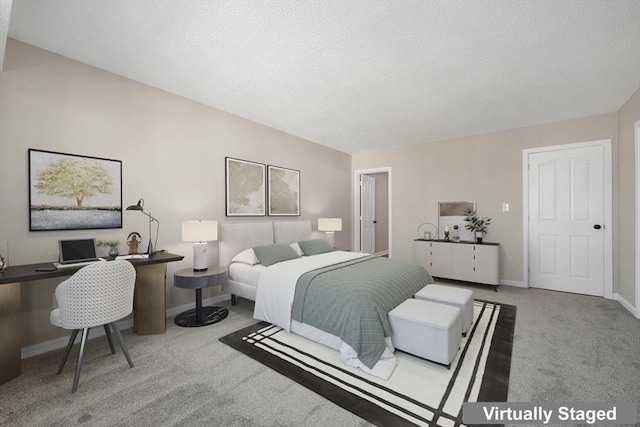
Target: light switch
{"x": 505, "y": 207}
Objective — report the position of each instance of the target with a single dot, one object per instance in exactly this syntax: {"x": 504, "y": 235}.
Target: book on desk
{"x": 133, "y": 256}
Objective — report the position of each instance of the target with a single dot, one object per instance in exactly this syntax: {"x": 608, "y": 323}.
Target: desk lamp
{"x": 199, "y": 232}
{"x": 330, "y": 226}
{"x": 140, "y": 207}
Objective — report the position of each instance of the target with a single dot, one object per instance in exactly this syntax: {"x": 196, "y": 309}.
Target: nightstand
{"x": 189, "y": 279}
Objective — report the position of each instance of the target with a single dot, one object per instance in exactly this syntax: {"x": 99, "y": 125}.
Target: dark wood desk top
{"x": 27, "y": 272}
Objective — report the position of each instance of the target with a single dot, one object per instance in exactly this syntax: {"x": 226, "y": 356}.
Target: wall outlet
{"x": 505, "y": 207}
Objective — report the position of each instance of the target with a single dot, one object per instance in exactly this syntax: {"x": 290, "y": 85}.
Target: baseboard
{"x": 626, "y": 304}
{"x": 513, "y": 283}
{"x": 382, "y": 253}
{"x": 58, "y": 343}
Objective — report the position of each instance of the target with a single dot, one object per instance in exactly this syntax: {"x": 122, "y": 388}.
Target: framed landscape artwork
{"x": 245, "y": 188}
{"x": 451, "y": 214}
{"x": 73, "y": 192}
{"x": 284, "y": 191}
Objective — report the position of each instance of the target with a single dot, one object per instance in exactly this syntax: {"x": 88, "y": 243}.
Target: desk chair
{"x": 96, "y": 295}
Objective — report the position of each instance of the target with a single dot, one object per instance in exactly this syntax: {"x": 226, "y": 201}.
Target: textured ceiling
{"x": 359, "y": 75}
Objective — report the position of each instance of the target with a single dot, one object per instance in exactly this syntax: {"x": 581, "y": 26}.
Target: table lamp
{"x": 199, "y": 232}
{"x": 140, "y": 207}
{"x": 330, "y": 226}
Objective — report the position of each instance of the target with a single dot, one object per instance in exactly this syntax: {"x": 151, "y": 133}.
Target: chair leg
{"x": 107, "y": 332}
{"x": 116, "y": 331}
{"x": 72, "y": 339}
{"x": 85, "y": 336}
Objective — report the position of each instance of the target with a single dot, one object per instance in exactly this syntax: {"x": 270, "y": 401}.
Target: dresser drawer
{"x": 472, "y": 259}
{"x": 473, "y": 249}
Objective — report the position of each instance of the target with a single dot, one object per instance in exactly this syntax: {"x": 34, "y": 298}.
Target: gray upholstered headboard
{"x": 291, "y": 231}
{"x": 235, "y": 237}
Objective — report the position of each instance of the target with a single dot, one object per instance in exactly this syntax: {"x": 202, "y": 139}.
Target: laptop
{"x": 77, "y": 251}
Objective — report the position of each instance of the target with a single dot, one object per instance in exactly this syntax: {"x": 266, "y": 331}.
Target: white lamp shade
{"x": 329, "y": 224}
{"x": 199, "y": 231}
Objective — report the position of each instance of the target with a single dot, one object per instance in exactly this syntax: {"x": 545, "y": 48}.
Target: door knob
{"x": 597, "y": 226}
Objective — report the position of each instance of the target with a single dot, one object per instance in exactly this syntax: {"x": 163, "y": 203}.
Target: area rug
{"x": 418, "y": 392}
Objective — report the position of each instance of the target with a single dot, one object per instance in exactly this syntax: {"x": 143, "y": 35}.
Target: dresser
{"x": 466, "y": 261}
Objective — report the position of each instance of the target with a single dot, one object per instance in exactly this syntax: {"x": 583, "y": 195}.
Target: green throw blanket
{"x": 352, "y": 299}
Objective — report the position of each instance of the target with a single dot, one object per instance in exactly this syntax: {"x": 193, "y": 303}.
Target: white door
{"x": 367, "y": 214}
{"x": 566, "y": 220}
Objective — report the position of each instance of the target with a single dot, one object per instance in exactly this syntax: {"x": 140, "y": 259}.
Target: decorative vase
{"x": 478, "y": 235}
{"x": 113, "y": 252}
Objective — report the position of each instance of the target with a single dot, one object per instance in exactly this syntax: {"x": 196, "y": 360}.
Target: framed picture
{"x": 451, "y": 214}
{"x": 284, "y": 191}
{"x": 245, "y": 188}
{"x": 73, "y": 192}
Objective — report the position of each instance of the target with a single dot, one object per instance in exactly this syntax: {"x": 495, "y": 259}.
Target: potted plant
{"x": 478, "y": 226}
{"x": 113, "y": 247}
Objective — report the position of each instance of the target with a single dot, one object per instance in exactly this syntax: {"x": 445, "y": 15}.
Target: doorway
{"x": 637, "y": 128}
{"x": 372, "y": 211}
{"x": 568, "y": 218}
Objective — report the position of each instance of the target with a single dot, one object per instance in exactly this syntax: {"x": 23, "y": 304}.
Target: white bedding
{"x": 245, "y": 273}
{"x": 274, "y": 301}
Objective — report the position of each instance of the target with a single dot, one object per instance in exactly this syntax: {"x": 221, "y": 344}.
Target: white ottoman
{"x": 461, "y": 298}
{"x": 426, "y": 329}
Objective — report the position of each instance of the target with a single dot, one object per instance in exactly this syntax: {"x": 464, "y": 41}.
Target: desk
{"x": 149, "y": 303}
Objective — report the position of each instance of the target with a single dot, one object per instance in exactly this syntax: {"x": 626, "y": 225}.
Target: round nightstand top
{"x": 187, "y": 278}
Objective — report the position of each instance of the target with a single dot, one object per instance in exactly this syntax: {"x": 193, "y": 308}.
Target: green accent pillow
{"x": 315, "y": 247}
{"x": 272, "y": 254}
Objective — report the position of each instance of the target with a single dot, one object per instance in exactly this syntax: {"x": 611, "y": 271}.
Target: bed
{"x": 309, "y": 296}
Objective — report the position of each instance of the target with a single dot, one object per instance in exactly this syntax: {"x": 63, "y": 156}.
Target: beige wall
{"x": 628, "y": 115}
{"x": 484, "y": 168}
{"x": 172, "y": 153}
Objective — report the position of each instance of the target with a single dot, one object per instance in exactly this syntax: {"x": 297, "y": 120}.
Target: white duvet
{"x": 274, "y": 301}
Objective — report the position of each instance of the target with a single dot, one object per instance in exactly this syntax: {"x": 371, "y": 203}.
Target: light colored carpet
{"x": 566, "y": 348}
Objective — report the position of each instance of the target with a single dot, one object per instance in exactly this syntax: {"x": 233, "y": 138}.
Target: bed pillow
{"x": 248, "y": 256}
{"x": 296, "y": 247}
{"x": 272, "y": 254}
{"x": 315, "y": 247}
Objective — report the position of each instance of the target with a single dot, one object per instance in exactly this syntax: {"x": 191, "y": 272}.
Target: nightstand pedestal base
{"x": 208, "y": 316}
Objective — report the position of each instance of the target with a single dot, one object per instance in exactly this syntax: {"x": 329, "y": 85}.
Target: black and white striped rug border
{"x": 381, "y": 405}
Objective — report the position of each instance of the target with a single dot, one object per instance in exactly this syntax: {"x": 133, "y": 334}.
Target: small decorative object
{"x": 427, "y": 235}
{"x": 446, "y": 234}
{"x": 4, "y": 261}
{"x": 478, "y": 226}
{"x": 113, "y": 247}
{"x": 456, "y": 234}
{"x": 133, "y": 241}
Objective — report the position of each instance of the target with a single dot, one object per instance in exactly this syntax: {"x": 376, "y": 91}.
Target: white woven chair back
{"x": 96, "y": 295}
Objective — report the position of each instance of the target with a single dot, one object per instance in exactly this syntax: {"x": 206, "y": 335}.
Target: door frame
{"x": 356, "y": 205}
{"x": 637, "y": 168}
{"x": 607, "y": 202}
